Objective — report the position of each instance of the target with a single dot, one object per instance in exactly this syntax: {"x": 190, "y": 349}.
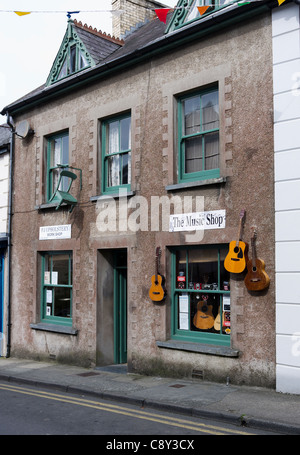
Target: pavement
{"x": 254, "y": 407}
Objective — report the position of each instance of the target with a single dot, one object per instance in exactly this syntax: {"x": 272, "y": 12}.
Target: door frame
{"x": 120, "y": 310}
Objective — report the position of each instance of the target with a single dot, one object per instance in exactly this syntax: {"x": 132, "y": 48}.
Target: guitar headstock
{"x": 158, "y": 251}
{"x": 242, "y": 213}
{"x": 254, "y": 232}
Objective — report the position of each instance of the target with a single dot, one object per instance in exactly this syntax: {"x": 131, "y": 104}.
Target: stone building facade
{"x": 81, "y": 278}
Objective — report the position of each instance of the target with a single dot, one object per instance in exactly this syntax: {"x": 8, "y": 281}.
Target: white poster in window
{"x": 54, "y": 277}
{"x": 184, "y": 321}
{"x": 183, "y": 303}
{"x": 48, "y": 311}
{"x": 49, "y": 296}
{"x": 47, "y": 278}
{"x": 184, "y": 312}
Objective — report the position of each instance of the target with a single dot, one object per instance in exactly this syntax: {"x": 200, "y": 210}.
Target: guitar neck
{"x": 253, "y": 253}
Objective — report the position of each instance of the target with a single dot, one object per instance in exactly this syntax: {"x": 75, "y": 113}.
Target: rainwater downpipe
{"x": 11, "y": 154}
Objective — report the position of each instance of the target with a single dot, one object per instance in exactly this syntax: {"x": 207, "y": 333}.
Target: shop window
{"x": 56, "y": 160}
{"x": 116, "y": 153}
{"x": 201, "y": 295}
{"x": 57, "y": 288}
{"x": 198, "y": 136}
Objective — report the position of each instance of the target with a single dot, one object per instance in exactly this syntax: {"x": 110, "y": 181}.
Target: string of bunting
{"x": 161, "y": 12}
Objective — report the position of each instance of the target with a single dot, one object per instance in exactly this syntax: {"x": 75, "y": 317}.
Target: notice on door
{"x": 55, "y": 232}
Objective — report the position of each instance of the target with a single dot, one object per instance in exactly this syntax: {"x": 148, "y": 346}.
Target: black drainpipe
{"x": 11, "y": 153}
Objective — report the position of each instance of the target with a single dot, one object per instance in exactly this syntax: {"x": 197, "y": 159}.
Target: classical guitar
{"x": 157, "y": 290}
{"x": 256, "y": 278}
{"x": 236, "y": 258}
{"x": 204, "y": 318}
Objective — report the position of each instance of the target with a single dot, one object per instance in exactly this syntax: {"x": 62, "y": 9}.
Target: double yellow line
{"x": 102, "y": 406}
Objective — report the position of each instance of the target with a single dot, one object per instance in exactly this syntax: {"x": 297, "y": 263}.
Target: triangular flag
{"x": 162, "y": 14}
{"x": 202, "y": 9}
{"x": 21, "y": 13}
{"x": 280, "y": 2}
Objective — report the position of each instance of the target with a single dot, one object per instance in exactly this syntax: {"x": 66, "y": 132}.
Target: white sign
{"x": 55, "y": 232}
{"x": 215, "y": 219}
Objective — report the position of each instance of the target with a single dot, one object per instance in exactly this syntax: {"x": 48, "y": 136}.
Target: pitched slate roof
{"x": 111, "y": 54}
{"x": 4, "y": 135}
{"x": 99, "y": 44}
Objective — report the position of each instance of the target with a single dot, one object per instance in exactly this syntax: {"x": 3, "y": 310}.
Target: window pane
{"x": 64, "y": 69}
{"x": 60, "y": 269}
{"x": 125, "y": 129}
{"x": 224, "y": 274}
{"x": 113, "y": 170}
{"x": 204, "y": 310}
{"x": 203, "y": 269}
{"x": 181, "y": 269}
{"x": 112, "y": 145}
{"x": 211, "y": 150}
{"x": 193, "y": 154}
{"x": 126, "y": 169}
{"x": 72, "y": 59}
{"x": 191, "y": 113}
{"x": 82, "y": 62}
{"x": 62, "y": 302}
{"x": 210, "y": 111}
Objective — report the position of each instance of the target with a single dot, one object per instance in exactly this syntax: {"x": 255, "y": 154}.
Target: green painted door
{"x": 120, "y": 308}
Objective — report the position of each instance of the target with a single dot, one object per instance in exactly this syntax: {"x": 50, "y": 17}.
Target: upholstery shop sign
{"x": 55, "y": 232}
{"x": 215, "y": 219}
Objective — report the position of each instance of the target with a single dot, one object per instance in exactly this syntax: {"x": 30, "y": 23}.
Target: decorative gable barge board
{"x": 213, "y": 23}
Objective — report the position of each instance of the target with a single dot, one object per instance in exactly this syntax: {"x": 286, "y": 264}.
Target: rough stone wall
{"x": 240, "y": 62}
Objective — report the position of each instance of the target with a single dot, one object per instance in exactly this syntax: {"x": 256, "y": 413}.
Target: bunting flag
{"x": 162, "y": 14}
{"x": 280, "y": 2}
{"x": 22, "y": 13}
{"x": 202, "y": 9}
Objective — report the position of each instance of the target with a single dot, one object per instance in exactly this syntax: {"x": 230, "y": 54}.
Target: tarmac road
{"x": 36, "y": 411}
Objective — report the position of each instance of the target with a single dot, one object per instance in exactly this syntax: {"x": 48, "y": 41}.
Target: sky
{"x": 29, "y": 44}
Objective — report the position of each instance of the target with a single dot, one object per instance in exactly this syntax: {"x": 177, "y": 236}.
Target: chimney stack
{"x": 135, "y": 12}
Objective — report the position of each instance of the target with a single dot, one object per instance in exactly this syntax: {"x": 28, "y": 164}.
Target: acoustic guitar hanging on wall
{"x": 236, "y": 258}
{"x": 256, "y": 278}
{"x": 157, "y": 291}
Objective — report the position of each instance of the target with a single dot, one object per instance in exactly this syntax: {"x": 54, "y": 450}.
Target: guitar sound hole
{"x": 254, "y": 269}
{"x": 204, "y": 308}
{"x": 236, "y": 249}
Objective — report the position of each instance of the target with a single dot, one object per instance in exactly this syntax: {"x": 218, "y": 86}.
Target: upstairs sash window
{"x": 198, "y": 134}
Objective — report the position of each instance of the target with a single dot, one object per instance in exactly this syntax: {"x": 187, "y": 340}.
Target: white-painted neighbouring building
{"x": 286, "y": 86}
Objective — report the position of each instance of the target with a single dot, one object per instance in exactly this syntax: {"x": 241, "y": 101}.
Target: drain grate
{"x": 91, "y": 373}
{"x": 177, "y": 386}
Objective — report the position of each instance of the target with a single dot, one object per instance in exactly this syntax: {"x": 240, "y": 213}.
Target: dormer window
{"x": 74, "y": 61}
{"x": 71, "y": 58}
{"x": 192, "y": 10}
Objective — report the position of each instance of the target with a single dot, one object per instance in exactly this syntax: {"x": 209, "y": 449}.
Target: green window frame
{"x": 200, "y": 293}
{"x": 198, "y": 136}
{"x": 56, "y": 289}
{"x": 57, "y": 154}
{"x": 116, "y": 153}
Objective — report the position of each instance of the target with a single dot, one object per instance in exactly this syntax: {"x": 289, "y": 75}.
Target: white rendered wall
{"x": 286, "y": 88}
{"x": 4, "y": 187}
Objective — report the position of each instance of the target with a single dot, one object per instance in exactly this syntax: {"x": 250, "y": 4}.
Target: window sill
{"x": 186, "y": 185}
{"x": 116, "y": 195}
{"x": 64, "y": 329}
{"x": 51, "y": 205}
{"x": 222, "y": 351}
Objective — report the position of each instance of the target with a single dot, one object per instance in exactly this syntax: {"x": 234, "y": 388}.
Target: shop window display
{"x": 201, "y": 294}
